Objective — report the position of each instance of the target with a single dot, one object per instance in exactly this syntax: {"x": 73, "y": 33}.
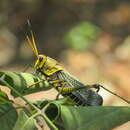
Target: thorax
{"x": 51, "y": 66}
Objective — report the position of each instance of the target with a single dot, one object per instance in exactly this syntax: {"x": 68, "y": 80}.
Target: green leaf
{"x": 82, "y": 36}
{"x": 87, "y": 118}
{"x": 94, "y": 118}
{"x": 8, "y": 116}
{"x": 21, "y": 82}
{"x": 25, "y": 123}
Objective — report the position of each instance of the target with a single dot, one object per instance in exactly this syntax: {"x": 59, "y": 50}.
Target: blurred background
{"x": 90, "y": 38}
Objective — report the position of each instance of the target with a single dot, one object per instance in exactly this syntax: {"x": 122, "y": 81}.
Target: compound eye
{"x": 40, "y": 59}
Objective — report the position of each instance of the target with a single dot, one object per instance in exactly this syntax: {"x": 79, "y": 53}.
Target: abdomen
{"x": 84, "y": 97}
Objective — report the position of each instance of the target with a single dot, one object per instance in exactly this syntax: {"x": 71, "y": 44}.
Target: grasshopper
{"x": 63, "y": 82}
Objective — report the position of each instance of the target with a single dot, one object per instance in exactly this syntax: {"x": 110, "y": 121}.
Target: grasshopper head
{"x": 40, "y": 62}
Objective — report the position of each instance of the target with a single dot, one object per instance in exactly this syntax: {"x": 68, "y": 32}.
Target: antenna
{"x": 31, "y": 39}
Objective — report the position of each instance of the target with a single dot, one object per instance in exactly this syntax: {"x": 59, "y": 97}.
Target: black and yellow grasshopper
{"x": 66, "y": 84}
{"x": 62, "y": 81}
